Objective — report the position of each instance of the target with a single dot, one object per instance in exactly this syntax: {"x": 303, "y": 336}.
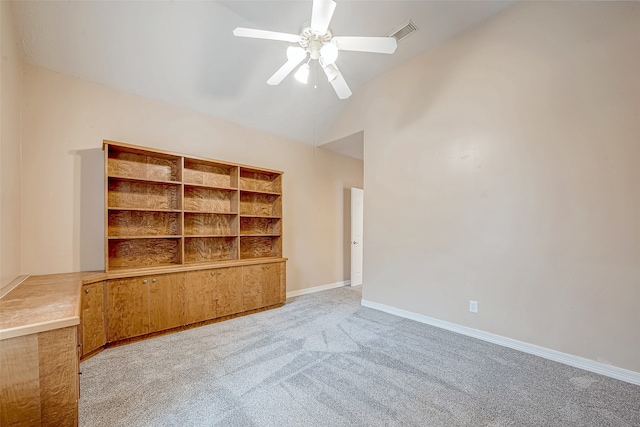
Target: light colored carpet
{"x": 322, "y": 360}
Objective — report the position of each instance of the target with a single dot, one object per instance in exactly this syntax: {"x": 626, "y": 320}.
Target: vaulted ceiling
{"x": 184, "y": 53}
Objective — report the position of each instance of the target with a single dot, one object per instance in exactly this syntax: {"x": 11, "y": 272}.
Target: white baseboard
{"x": 317, "y": 289}
{"x": 557, "y": 356}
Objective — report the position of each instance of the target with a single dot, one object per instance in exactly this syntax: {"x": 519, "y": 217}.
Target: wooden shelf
{"x": 138, "y": 163}
{"x": 112, "y": 208}
{"x": 213, "y": 187}
{"x": 129, "y": 178}
{"x": 143, "y": 194}
{"x": 260, "y": 180}
{"x": 260, "y": 246}
{"x": 167, "y": 209}
{"x": 141, "y": 223}
{"x": 209, "y": 199}
{"x": 212, "y": 235}
{"x": 171, "y": 236}
{"x": 209, "y": 212}
{"x": 151, "y": 252}
{"x": 210, "y": 174}
{"x": 260, "y": 204}
{"x": 208, "y": 249}
{"x": 260, "y": 226}
{"x": 260, "y": 192}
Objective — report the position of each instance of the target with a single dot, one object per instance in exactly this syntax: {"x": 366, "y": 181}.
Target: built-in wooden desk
{"x": 48, "y": 323}
{"x": 39, "y": 355}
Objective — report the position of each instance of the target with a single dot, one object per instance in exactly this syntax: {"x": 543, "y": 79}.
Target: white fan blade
{"x": 341, "y": 87}
{"x": 268, "y": 35}
{"x": 284, "y": 71}
{"x": 367, "y": 44}
{"x": 321, "y": 13}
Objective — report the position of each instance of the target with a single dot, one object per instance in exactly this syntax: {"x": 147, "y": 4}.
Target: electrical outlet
{"x": 473, "y": 306}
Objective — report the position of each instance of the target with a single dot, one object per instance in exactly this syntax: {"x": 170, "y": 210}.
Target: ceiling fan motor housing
{"x": 313, "y": 42}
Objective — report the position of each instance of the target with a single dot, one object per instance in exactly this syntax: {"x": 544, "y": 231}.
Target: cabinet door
{"x": 93, "y": 332}
{"x": 261, "y": 286}
{"x": 166, "y": 301}
{"x": 200, "y": 303}
{"x": 251, "y": 287}
{"x": 128, "y": 307}
{"x": 228, "y": 291}
{"x": 271, "y": 284}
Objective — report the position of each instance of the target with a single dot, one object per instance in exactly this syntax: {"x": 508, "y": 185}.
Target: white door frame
{"x": 357, "y": 216}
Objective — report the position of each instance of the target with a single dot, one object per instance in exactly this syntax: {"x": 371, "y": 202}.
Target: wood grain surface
{"x": 271, "y": 284}
{"x": 39, "y": 379}
{"x": 209, "y": 200}
{"x": 142, "y": 166}
{"x": 58, "y": 359}
{"x": 251, "y": 287}
{"x": 209, "y": 224}
{"x": 213, "y": 174}
{"x": 200, "y": 299}
{"x": 228, "y": 291}
{"x": 145, "y": 195}
{"x": 93, "y": 325}
{"x": 260, "y": 204}
{"x": 41, "y": 303}
{"x": 260, "y": 226}
{"x": 143, "y": 223}
{"x": 128, "y": 308}
{"x": 260, "y": 181}
{"x": 259, "y": 247}
{"x": 19, "y": 381}
{"x": 204, "y": 249}
{"x": 166, "y": 301}
{"x": 131, "y": 253}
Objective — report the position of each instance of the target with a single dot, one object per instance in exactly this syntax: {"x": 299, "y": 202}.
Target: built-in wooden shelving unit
{"x": 167, "y": 209}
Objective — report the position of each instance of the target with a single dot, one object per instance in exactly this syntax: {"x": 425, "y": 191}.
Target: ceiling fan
{"x": 318, "y": 42}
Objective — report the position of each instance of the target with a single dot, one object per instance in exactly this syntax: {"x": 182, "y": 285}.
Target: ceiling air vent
{"x": 404, "y": 31}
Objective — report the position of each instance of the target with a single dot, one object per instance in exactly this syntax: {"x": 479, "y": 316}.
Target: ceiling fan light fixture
{"x": 296, "y": 53}
{"x": 329, "y": 53}
{"x": 332, "y": 72}
{"x": 302, "y": 75}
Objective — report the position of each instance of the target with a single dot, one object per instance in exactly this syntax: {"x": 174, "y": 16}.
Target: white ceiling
{"x": 184, "y": 53}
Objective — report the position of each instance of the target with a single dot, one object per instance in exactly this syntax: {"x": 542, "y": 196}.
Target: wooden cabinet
{"x": 228, "y": 291}
{"x": 204, "y": 225}
{"x": 200, "y": 300}
{"x": 92, "y": 328}
{"x": 166, "y": 301}
{"x": 145, "y": 304}
{"x": 212, "y": 293}
{"x": 128, "y": 303}
{"x": 261, "y": 286}
{"x": 39, "y": 379}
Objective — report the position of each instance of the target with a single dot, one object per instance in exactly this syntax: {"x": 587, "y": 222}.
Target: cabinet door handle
{"x": 86, "y": 291}
{"x": 213, "y": 273}
{"x": 153, "y": 280}
{"x": 268, "y": 267}
{"x": 219, "y": 273}
{"x": 144, "y": 281}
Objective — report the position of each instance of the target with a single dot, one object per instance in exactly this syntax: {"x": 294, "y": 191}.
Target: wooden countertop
{"x": 52, "y": 301}
{"x": 43, "y": 303}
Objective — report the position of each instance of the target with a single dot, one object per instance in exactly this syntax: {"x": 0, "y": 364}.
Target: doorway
{"x": 357, "y": 219}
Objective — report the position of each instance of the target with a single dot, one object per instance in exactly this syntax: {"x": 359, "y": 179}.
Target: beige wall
{"x": 10, "y": 100}
{"x": 66, "y": 119}
{"x": 504, "y": 167}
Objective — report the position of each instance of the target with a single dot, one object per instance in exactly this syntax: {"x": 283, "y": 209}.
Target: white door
{"x": 357, "y": 211}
